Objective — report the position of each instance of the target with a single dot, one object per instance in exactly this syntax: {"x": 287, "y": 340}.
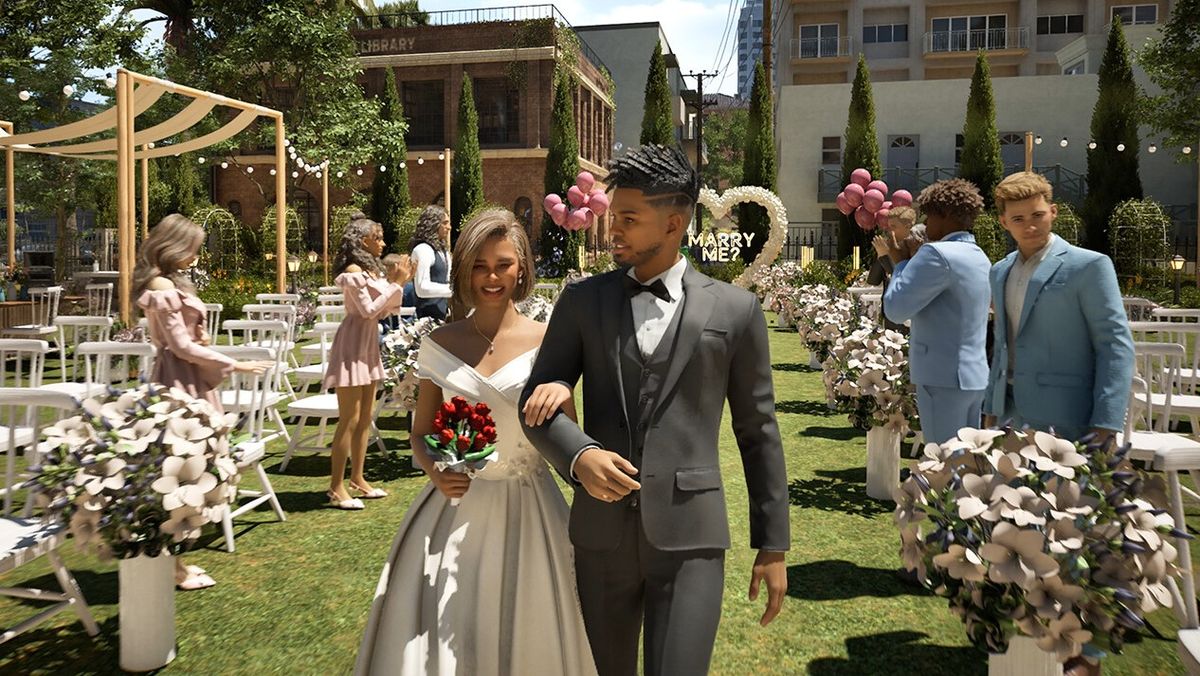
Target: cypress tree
{"x": 656, "y": 115}
{"x": 758, "y": 167}
{"x": 981, "y": 163}
{"x": 1112, "y": 175}
{"x": 390, "y": 199}
{"x": 862, "y": 150}
{"x": 466, "y": 172}
{"x": 558, "y": 248}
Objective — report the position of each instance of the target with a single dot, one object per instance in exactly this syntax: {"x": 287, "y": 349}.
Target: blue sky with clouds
{"x": 693, "y": 27}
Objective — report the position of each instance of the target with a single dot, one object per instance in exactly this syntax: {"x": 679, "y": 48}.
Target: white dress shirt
{"x": 651, "y": 314}
{"x": 422, "y": 284}
{"x": 1015, "y": 288}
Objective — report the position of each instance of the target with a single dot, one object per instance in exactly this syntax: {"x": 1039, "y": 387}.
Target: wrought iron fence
{"x": 821, "y": 236}
{"x": 822, "y": 48}
{"x": 975, "y": 40}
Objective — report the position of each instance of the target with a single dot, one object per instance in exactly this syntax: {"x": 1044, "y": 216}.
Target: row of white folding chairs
{"x": 272, "y": 336}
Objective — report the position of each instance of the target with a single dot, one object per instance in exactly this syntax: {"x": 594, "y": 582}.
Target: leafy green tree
{"x": 981, "y": 163}
{"x": 390, "y": 199}
{"x": 758, "y": 164}
{"x": 1112, "y": 174}
{"x": 466, "y": 172}
{"x": 656, "y": 115}
{"x": 1172, "y": 61}
{"x": 862, "y": 151}
{"x": 725, "y": 135}
{"x": 558, "y": 248}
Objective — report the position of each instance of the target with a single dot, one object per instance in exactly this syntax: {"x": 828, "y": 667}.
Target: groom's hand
{"x": 770, "y": 568}
{"x": 605, "y": 475}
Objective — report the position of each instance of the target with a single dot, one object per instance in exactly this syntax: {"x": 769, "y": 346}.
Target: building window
{"x": 1060, "y": 24}
{"x": 818, "y": 41}
{"x": 1009, "y": 138}
{"x": 1077, "y": 68}
{"x": 424, "y": 109}
{"x": 497, "y": 101}
{"x": 959, "y": 140}
{"x": 903, "y": 142}
{"x": 968, "y": 33}
{"x": 831, "y": 150}
{"x": 888, "y": 32}
{"x": 235, "y": 208}
{"x": 1136, "y": 14}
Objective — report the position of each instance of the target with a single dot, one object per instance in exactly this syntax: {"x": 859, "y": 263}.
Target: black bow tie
{"x": 633, "y": 288}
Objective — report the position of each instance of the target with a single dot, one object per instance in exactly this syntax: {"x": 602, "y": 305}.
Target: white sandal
{"x": 351, "y": 504}
{"x": 373, "y": 494}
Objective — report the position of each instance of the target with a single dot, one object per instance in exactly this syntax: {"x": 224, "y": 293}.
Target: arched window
{"x": 1011, "y": 139}
{"x": 235, "y": 208}
{"x": 903, "y": 142}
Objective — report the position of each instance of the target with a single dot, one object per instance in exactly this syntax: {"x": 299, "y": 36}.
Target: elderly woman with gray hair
{"x": 354, "y": 365}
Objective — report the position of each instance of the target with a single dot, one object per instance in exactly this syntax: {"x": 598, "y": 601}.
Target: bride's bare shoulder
{"x": 449, "y": 336}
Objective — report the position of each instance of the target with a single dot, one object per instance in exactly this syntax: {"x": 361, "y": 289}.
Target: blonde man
{"x": 1064, "y": 354}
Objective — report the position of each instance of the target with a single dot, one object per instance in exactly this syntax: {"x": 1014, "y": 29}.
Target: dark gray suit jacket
{"x": 721, "y": 353}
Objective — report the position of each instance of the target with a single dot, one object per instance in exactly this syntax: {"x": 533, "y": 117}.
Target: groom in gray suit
{"x": 661, "y": 347}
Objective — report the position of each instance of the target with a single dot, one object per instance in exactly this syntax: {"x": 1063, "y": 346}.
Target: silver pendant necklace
{"x": 491, "y": 343}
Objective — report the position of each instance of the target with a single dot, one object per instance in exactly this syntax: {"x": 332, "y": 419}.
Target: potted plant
{"x": 135, "y": 476}
{"x": 866, "y": 376}
{"x": 1038, "y": 542}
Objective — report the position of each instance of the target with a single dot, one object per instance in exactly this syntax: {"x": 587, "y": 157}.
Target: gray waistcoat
{"x": 643, "y": 379}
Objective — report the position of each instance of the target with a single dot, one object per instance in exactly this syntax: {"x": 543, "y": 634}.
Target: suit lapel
{"x": 613, "y": 305}
{"x": 1041, "y": 275}
{"x": 698, "y": 306}
{"x": 999, "y": 298}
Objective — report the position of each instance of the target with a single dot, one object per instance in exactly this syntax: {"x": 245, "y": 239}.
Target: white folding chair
{"x": 292, "y": 298}
{"x": 331, "y": 299}
{"x": 871, "y": 303}
{"x": 312, "y": 353}
{"x": 73, "y": 330}
{"x": 1172, "y": 461}
{"x": 99, "y": 299}
{"x": 1186, "y": 334}
{"x": 212, "y": 319}
{"x": 249, "y": 395}
{"x": 24, "y": 539}
{"x": 108, "y": 364}
{"x": 22, "y": 362}
{"x": 276, "y": 312}
{"x": 1181, "y": 315}
{"x": 1137, "y": 309}
{"x": 270, "y": 335}
{"x": 326, "y": 290}
{"x": 315, "y": 372}
{"x": 45, "y": 309}
{"x": 548, "y": 290}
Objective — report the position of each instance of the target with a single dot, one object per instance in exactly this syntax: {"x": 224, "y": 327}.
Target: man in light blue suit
{"x": 1063, "y": 351}
{"x": 943, "y": 290}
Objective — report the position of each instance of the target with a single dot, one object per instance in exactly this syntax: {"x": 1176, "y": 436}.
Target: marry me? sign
{"x": 720, "y": 246}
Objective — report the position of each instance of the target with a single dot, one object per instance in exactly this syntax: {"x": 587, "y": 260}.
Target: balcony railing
{"x": 972, "y": 41}
{"x": 822, "y": 48}
{"x": 1068, "y": 185}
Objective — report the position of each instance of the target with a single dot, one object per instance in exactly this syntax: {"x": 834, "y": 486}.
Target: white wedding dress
{"x": 487, "y": 587}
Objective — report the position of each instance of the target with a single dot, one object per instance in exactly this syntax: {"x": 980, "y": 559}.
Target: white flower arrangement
{"x": 1065, "y": 543}
{"x": 866, "y": 376}
{"x": 822, "y": 316}
{"x": 400, "y": 349}
{"x": 536, "y": 307}
{"x": 776, "y": 282}
{"x": 139, "y": 471}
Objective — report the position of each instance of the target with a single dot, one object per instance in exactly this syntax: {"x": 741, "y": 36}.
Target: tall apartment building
{"x": 749, "y": 44}
{"x": 1044, "y": 56}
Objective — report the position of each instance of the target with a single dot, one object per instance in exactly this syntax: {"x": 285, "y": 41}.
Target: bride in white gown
{"x": 487, "y": 587}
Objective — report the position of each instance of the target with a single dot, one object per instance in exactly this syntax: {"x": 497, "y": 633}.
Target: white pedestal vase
{"x": 813, "y": 362}
{"x": 1024, "y": 658}
{"x": 883, "y": 462}
{"x": 147, "y": 615}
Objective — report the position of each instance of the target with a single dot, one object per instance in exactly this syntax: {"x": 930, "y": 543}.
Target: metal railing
{"x": 822, "y": 48}
{"x": 458, "y": 17}
{"x": 820, "y": 235}
{"x": 973, "y": 41}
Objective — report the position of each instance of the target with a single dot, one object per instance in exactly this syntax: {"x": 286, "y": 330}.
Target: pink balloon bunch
{"x": 867, "y": 200}
{"x": 584, "y": 204}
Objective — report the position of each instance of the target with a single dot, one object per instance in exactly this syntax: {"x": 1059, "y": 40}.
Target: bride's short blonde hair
{"x": 482, "y": 227}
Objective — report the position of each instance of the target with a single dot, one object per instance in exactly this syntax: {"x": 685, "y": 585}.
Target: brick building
{"x": 510, "y": 54}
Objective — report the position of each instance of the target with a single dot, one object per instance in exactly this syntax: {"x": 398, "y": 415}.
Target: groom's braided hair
{"x": 657, "y": 171}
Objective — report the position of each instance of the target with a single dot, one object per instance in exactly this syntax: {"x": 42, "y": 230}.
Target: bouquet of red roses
{"x": 464, "y": 437}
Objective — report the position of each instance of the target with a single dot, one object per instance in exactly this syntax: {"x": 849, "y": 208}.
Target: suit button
{"x": 633, "y": 501}
{"x": 645, "y": 399}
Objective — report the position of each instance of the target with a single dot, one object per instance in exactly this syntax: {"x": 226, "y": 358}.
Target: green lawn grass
{"x": 294, "y": 597}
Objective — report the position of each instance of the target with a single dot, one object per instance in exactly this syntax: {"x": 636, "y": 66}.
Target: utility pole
{"x": 766, "y": 48}
{"x": 700, "y": 106}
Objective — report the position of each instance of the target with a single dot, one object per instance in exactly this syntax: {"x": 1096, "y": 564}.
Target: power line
{"x": 729, "y": 22}
{"x": 701, "y": 104}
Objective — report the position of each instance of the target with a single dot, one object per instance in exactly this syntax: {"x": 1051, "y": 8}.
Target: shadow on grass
{"x": 843, "y": 580}
{"x": 898, "y": 652}
{"x": 794, "y": 368}
{"x": 845, "y": 433}
{"x": 817, "y": 408}
{"x": 68, "y": 649}
{"x": 843, "y": 490}
{"x": 389, "y": 466}
{"x": 99, "y": 589}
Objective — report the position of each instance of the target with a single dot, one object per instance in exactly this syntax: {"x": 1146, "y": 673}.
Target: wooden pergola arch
{"x": 136, "y": 93}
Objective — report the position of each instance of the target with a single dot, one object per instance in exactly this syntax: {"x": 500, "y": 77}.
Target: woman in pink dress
{"x": 176, "y": 317}
{"x": 354, "y": 366}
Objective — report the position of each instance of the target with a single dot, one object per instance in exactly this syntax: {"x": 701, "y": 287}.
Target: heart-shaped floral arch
{"x": 719, "y": 206}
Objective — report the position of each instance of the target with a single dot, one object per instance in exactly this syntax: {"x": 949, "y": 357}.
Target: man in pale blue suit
{"x": 1063, "y": 351}
{"x": 943, "y": 290}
